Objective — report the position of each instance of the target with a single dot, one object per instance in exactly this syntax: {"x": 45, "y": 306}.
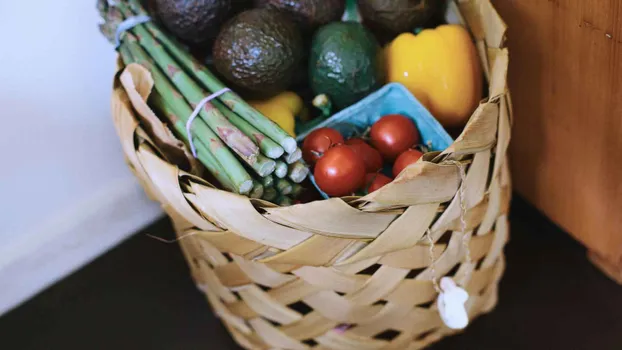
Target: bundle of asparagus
{"x": 230, "y": 137}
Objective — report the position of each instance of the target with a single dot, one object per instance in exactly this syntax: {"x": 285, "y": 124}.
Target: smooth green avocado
{"x": 345, "y": 63}
{"x": 259, "y": 51}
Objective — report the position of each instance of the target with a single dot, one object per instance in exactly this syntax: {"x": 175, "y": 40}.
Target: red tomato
{"x": 375, "y": 181}
{"x": 355, "y": 141}
{"x": 340, "y": 171}
{"x": 318, "y": 142}
{"x": 405, "y": 159}
{"x": 394, "y": 134}
{"x": 371, "y": 157}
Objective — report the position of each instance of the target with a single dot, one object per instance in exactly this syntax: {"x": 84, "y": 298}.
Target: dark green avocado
{"x": 259, "y": 51}
{"x": 345, "y": 63}
{"x": 195, "y": 22}
{"x": 309, "y": 14}
{"x": 397, "y": 16}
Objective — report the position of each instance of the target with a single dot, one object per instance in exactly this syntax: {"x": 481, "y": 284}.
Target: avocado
{"x": 309, "y": 14}
{"x": 345, "y": 63}
{"x": 195, "y": 22}
{"x": 398, "y": 16}
{"x": 258, "y": 51}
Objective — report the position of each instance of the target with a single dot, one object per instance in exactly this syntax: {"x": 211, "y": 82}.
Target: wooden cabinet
{"x": 566, "y": 82}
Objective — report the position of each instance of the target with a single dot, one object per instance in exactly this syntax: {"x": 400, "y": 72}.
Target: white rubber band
{"x": 128, "y": 24}
{"x": 195, "y": 113}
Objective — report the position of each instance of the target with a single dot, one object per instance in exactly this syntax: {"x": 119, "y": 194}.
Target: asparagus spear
{"x": 281, "y": 169}
{"x": 298, "y": 172}
{"x": 284, "y": 201}
{"x": 212, "y": 83}
{"x": 297, "y": 190}
{"x": 257, "y": 191}
{"x": 267, "y": 181}
{"x": 270, "y": 194}
{"x": 232, "y": 136}
{"x": 294, "y": 156}
{"x": 173, "y": 106}
{"x": 283, "y": 186}
{"x": 266, "y": 145}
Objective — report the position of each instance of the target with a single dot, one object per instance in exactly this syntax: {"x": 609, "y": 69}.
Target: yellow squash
{"x": 282, "y": 109}
{"x": 441, "y": 68}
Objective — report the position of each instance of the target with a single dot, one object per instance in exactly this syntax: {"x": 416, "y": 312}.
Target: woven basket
{"x": 346, "y": 273}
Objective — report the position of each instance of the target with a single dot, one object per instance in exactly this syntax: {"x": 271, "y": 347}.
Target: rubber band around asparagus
{"x": 232, "y": 136}
{"x": 212, "y": 83}
{"x": 174, "y": 107}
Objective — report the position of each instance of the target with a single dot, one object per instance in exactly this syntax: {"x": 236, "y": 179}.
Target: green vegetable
{"x": 298, "y": 171}
{"x": 213, "y": 84}
{"x": 283, "y": 186}
{"x": 176, "y": 109}
{"x": 344, "y": 63}
{"x": 281, "y": 169}
{"x": 257, "y": 191}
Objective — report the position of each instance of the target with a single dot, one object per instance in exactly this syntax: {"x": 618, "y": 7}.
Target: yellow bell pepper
{"x": 441, "y": 68}
{"x": 282, "y": 109}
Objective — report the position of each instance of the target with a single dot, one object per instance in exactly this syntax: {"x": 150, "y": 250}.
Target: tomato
{"x": 371, "y": 157}
{"x": 318, "y": 142}
{"x": 340, "y": 171}
{"x": 355, "y": 141}
{"x": 394, "y": 134}
{"x": 405, "y": 159}
{"x": 375, "y": 181}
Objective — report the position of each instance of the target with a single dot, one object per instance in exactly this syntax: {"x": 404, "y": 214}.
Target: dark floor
{"x": 140, "y": 296}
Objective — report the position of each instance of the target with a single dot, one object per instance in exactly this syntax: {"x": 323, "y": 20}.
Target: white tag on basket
{"x": 450, "y": 304}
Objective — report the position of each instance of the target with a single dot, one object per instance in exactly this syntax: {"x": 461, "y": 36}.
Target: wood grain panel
{"x": 566, "y": 80}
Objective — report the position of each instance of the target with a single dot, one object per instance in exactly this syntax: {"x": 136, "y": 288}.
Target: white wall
{"x": 65, "y": 193}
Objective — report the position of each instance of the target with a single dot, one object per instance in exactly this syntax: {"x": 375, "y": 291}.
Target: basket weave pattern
{"x": 348, "y": 273}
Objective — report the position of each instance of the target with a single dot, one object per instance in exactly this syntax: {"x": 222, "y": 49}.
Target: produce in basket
{"x": 282, "y": 109}
{"x": 309, "y": 14}
{"x": 375, "y": 181}
{"x": 259, "y": 50}
{"x": 397, "y": 16}
{"x": 195, "y": 22}
{"x": 236, "y": 143}
{"x": 354, "y": 167}
{"x": 441, "y": 68}
{"x": 344, "y": 63}
{"x": 393, "y": 134}
{"x": 318, "y": 142}
{"x": 405, "y": 159}
{"x": 340, "y": 171}
{"x": 371, "y": 157}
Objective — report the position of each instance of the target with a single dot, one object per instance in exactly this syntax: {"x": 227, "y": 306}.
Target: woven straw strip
{"x": 393, "y": 238}
{"x": 227, "y": 241}
{"x": 332, "y": 217}
{"x": 316, "y": 251}
{"x": 231, "y": 275}
{"x": 266, "y": 306}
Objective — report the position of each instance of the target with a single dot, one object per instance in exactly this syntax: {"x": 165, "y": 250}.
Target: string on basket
{"x": 195, "y": 113}
{"x": 170, "y": 241}
{"x": 128, "y": 24}
{"x": 451, "y": 298}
